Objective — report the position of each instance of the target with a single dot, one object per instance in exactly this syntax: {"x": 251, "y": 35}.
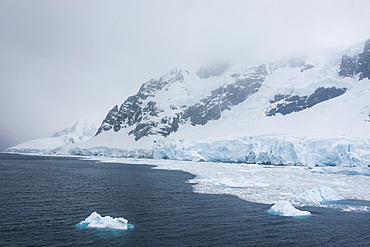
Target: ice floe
{"x": 95, "y": 220}
{"x": 284, "y": 208}
{"x": 320, "y": 195}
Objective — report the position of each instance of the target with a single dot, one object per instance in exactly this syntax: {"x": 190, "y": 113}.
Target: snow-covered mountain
{"x": 80, "y": 131}
{"x": 312, "y": 110}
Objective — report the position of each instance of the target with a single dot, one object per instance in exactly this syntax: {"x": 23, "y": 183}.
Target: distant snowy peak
{"x": 357, "y": 65}
{"x": 78, "y": 132}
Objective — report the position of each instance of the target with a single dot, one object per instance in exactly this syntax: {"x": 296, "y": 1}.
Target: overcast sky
{"x": 62, "y": 61}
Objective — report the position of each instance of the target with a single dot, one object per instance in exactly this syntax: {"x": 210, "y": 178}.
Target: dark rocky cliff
{"x": 286, "y": 104}
{"x": 140, "y": 112}
{"x": 356, "y": 65}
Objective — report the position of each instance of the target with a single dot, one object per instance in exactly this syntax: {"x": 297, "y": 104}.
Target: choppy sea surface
{"x": 43, "y": 198}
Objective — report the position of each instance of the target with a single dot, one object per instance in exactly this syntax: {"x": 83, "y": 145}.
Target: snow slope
{"x": 80, "y": 131}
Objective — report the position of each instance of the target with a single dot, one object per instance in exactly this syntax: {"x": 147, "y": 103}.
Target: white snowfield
{"x": 95, "y": 220}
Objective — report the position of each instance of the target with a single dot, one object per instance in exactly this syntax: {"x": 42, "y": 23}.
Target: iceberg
{"x": 284, "y": 208}
{"x": 95, "y": 220}
{"x": 320, "y": 195}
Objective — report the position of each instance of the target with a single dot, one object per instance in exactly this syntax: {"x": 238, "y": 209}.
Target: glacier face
{"x": 250, "y": 150}
{"x": 271, "y": 151}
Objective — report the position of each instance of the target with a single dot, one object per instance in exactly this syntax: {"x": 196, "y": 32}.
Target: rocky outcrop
{"x": 286, "y": 104}
{"x": 142, "y": 113}
{"x": 356, "y": 65}
{"x": 138, "y": 110}
{"x": 224, "y": 98}
{"x": 109, "y": 120}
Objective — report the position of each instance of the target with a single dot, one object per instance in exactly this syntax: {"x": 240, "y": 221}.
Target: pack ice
{"x": 95, "y": 220}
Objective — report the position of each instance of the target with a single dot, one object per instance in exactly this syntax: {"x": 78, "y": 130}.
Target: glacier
{"x": 95, "y": 220}
{"x": 268, "y": 150}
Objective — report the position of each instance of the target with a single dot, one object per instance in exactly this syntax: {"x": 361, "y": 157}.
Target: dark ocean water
{"x": 43, "y": 198}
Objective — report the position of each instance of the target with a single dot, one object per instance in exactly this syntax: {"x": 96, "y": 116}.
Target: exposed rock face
{"x": 141, "y": 113}
{"x": 358, "y": 64}
{"x": 109, "y": 120}
{"x": 138, "y": 110}
{"x": 286, "y": 104}
{"x": 224, "y": 98}
{"x": 306, "y": 67}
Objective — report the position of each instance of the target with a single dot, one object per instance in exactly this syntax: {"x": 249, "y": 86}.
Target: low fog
{"x": 62, "y": 61}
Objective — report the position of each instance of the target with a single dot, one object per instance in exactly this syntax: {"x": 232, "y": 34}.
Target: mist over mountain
{"x": 68, "y": 60}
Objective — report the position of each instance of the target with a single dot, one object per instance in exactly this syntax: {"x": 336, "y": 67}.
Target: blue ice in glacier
{"x": 95, "y": 220}
{"x": 271, "y": 150}
{"x": 320, "y": 195}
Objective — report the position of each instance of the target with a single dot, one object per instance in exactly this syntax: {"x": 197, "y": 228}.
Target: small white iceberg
{"x": 284, "y": 208}
{"x": 320, "y": 195}
{"x": 95, "y": 220}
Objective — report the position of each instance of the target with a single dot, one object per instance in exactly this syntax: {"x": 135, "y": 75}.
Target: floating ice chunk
{"x": 320, "y": 195}
{"x": 95, "y": 220}
{"x": 284, "y": 208}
